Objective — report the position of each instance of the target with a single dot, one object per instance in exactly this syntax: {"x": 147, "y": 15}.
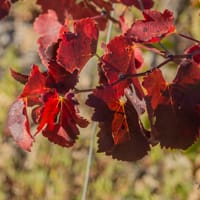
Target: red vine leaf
{"x": 153, "y": 28}
{"x": 18, "y": 125}
{"x": 59, "y": 8}
{"x": 121, "y": 134}
{"x": 106, "y": 98}
{"x": 195, "y": 52}
{"x": 59, "y": 119}
{"x": 36, "y": 84}
{"x": 78, "y": 10}
{"x": 48, "y": 28}
{"x": 147, "y": 4}
{"x": 60, "y": 79}
{"x": 4, "y": 8}
{"x": 188, "y": 73}
{"x": 177, "y": 111}
{"x": 155, "y": 85}
{"x": 122, "y": 57}
{"x": 77, "y": 48}
{"x": 91, "y": 9}
{"x": 22, "y": 78}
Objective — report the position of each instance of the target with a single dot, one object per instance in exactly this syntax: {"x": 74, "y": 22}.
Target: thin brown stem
{"x": 110, "y": 17}
{"x": 141, "y": 4}
{"x": 152, "y": 49}
{"x": 76, "y": 91}
{"x": 128, "y": 76}
{"x": 188, "y": 37}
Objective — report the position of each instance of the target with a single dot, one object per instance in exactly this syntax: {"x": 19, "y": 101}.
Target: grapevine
{"x": 68, "y": 34}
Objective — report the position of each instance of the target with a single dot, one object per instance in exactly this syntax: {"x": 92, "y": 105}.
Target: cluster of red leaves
{"x": 56, "y": 115}
{"x": 88, "y": 8}
{"x": 121, "y": 132}
{"x": 78, "y": 10}
{"x": 121, "y": 97}
{"x": 54, "y": 107}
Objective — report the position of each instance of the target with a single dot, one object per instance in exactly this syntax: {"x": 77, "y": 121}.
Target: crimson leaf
{"x": 18, "y": 124}
{"x": 153, "y": 28}
{"x": 77, "y": 48}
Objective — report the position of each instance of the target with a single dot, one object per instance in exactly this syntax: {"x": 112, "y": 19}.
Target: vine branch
{"x": 188, "y": 37}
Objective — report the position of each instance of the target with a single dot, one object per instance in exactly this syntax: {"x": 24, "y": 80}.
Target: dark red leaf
{"x": 147, "y": 4}
{"x": 60, "y": 8}
{"x": 176, "y": 112}
{"x": 59, "y": 120}
{"x": 18, "y": 125}
{"x": 122, "y": 57}
{"x": 78, "y": 10}
{"x": 22, "y": 78}
{"x": 188, "y": 73}
{"x": 48, "y": 28}
{"x": 174, "y": 128}
{"x": 77, "y": 48}
{"x": 4, "y": 8}
{"x": 153, "y": 28}
{"x": 195, "y": 52}
{"x": 121, "y": 133}
{"x": 36, "y": 113}
{"x": 105, "y": 101}
{"x": 60, "y": 79}
{"x": 155, "y": 85}
{"x": 36, "y": 84}
{"x": 94, "y": 9}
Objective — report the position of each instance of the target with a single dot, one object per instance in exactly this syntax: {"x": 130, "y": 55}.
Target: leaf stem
{"x": 76, "y": 91}
{"x": 188, "y": 37}
{"x": 152, "y": 49}
{"x": 141, "y": 4}
{"x": 123, "y": 77}
{"x": 128, "y": 76}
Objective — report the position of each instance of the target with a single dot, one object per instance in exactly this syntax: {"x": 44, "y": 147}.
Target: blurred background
{"x": 50, "y": 172}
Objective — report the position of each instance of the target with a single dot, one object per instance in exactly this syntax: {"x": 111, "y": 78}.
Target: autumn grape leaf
{"x": 122, "y": 57}
{"x": 155, "y": 85}
{"x": 147, "y": 4}
{"x": 121, "y": 134}
{"x": 195, "y": 52}
{"x": 91, "y": 9}
{"x": 18, "y": 124}
{"x": 153, "y": 28}
{"x": 48, "y": 28}
{"x": 77, "y": 48}
{"x": 22, "y": 78}
{"x": 60, "y": 79}
{"x": 59, "y": 119}
{"x": 114, "y": 109}
{"x": 176, "y": 112}
{"x": 78, "y": 10}
{"x": 59, "y": 8}
{"x": 4, "y": 8}
{"x": 36, "y": 84}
